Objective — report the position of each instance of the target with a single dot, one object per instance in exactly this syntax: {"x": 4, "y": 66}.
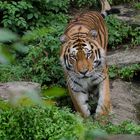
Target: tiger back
{"x": 93, "y": 26}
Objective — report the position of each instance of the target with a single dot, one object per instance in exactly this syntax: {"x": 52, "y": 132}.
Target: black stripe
{"x": 77, "y": 83}
{"x": 75, "y": 46}
{"x": 79, "y": 91}
{"x": 99, "y": 62}
{"x": 94, "y": 79}
{"x": 67, "y": 66}
{"x": 94, "y": 44}
{"x": 99, "y": 53}
{"x": 68, "y": 62}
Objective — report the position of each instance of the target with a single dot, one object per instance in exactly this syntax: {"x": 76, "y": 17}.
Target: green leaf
{"x": 7, "y": 35}
{"x": 36, "y": 15}
{"x": 29, "y": 16}
{"x": 5, "y": 56}
{"x": 20, "y": 47}
{"x": 55, "y": 92}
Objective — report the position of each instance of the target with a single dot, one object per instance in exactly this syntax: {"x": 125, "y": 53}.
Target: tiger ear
{"x": 93, "y": 33}
{"x": 63, "y": 38}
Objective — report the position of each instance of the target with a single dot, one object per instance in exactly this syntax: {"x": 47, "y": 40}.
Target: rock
{"x": 124, "y": 96}
{"x": 10, "y": 89}
{"x": 122, "y": 57}
{"x": 129, "y": 14}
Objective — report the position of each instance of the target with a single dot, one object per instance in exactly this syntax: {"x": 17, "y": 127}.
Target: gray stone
{"x": 13, "y": 89}
{"x": 125, "y": 96}
{"x": 124, "y": 57}
{"x": 129, "y": 14}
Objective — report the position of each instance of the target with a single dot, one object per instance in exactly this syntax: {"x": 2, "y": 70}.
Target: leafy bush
{"x": 126, "y": 127}
{"x": 11, "y": 73}
{"x": 29, "y": 14}
{"x": 52, "y": 123}
{"x": 121, "y": 33}
{"x": 118, "y": 31}
{"x": 137, "y": 5}
{"x": 16, "y": 15}
{"x": 42, "y": 62}
{"x": 134, "y": 34}
{"x": 127, "y": 72}
{"x": 39, "y": 123}
{"x": 87, "y": 3}
{"x": 5, "y": 55}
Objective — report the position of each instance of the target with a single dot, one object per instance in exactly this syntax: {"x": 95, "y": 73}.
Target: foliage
{"x": 14, "y": 14}
{"x": 53, "y": 92}
{"x": 52, "y": 123}
{"x": 118, "y": 31}
{"x": 5, "y": 56}
{"x": 39, "y": 123}
{"x": 134, "y": 34}
{"x": 113, "y": 72}
{"x": 42, "y": 62}
{"x": 87, "y": 3}
{"x": 129, "y": 72}
{"x": 137, "y": 5}
{"x": 9, "y": 46}
{"x": 6, "y": 35}
{"x": 126, "y": 127}
{"x": 11, "y": 73}
{"x": 122, "y": 33}
{"x": 126, "y": 72}
{"x": 29, "y": 14}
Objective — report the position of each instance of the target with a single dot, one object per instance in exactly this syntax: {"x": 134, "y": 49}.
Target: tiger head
{"x": 82, "y": 56}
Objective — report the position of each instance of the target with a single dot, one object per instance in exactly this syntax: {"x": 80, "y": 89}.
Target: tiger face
{"x": 83, "y": 58}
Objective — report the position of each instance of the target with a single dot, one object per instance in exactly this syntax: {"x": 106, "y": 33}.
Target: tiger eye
{"x": 86, "y": 49}
{"x": 72, "y": 54}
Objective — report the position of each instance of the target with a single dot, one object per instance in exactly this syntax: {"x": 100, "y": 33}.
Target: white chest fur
{"x": 85, "y": 82}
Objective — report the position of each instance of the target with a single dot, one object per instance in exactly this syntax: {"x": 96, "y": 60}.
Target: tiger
{"x": 83, "y": 58}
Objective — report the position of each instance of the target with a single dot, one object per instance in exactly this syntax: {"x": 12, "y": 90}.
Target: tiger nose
{"x": 84, "y": 71}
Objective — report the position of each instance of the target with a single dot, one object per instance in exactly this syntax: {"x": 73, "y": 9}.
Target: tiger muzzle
{"x": 82, "y": 67}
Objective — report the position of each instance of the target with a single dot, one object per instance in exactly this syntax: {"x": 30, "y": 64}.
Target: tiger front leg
{"x": 104, "y": 103}
{"x": 79, "y": 96}
{"x": 80, "y": 101}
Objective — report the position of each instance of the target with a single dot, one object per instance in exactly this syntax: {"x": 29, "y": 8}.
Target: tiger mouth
{"x": 85, "y": 76}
